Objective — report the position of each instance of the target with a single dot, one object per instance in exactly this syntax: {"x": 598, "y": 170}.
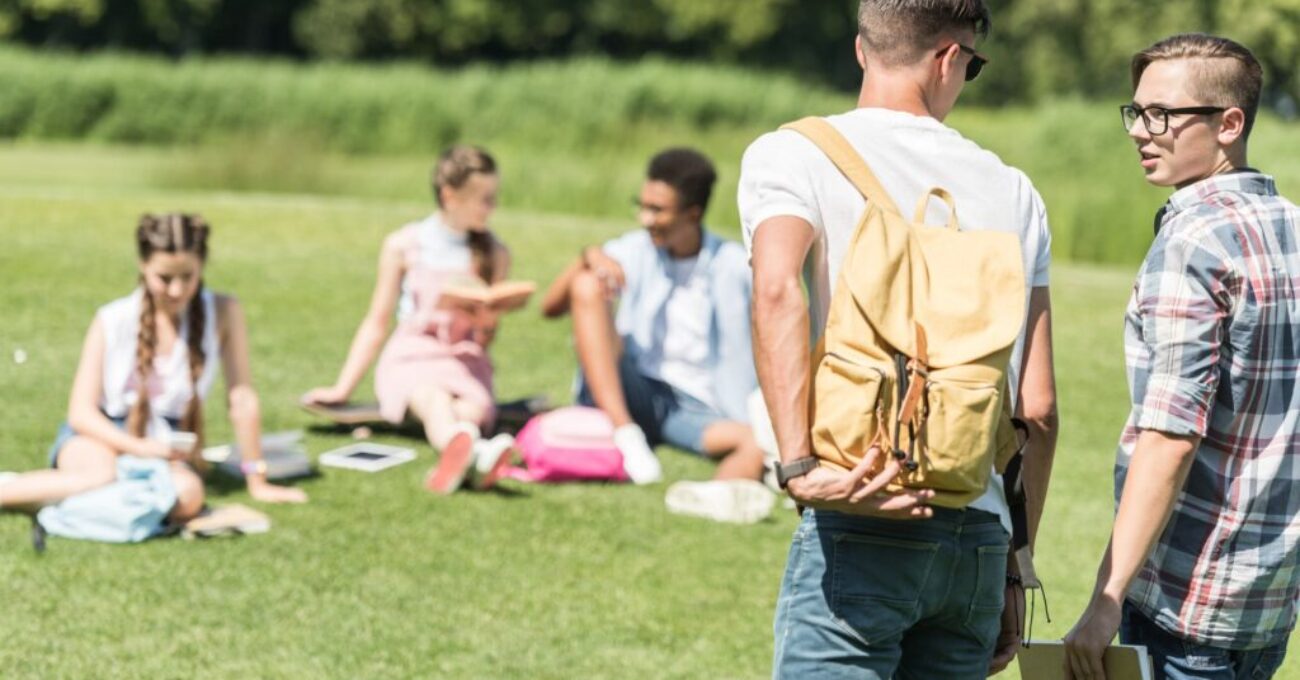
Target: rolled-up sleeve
{"x": 1183, "y": 299}
{"x": 774, "y": 182}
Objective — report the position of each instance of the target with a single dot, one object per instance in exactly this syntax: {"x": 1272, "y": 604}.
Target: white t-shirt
{"x": 680, "y": 357}
{"x": 784, "y": 174}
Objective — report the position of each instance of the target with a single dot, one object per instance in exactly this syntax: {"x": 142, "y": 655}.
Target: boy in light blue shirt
{"x": 671, "y": 361}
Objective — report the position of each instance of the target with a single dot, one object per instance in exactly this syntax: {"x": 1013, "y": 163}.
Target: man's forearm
{"x": 780, "y": 326}
{"x": 1036, "y": 471}
{"x": 1156, "y": 474}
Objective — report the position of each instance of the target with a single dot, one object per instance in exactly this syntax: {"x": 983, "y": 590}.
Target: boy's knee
{"x": 586, "y": 287}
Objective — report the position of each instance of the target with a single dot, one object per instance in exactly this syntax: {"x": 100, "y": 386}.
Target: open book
{"x": 503, "y": 296}
{"x": 1045, "y": 660}
{"x": 227, "y": 520}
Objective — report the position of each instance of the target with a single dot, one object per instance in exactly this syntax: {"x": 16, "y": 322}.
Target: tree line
{"x": 1040, "y": 49}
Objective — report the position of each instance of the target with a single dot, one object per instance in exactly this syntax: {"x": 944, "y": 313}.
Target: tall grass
{"x": 572, "y": 137}
{"x": 383, "y": 109}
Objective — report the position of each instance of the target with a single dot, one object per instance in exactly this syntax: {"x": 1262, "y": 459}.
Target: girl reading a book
{"x": 147, "y": 363}
{"x": 435, "y": 366}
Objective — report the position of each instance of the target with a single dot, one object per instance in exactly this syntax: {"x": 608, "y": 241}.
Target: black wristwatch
{"x": 798, "y": 468}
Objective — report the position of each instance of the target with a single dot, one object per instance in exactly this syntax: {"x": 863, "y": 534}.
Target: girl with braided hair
{"x": 435, "y": 365}
{"x": 146, "y": 365}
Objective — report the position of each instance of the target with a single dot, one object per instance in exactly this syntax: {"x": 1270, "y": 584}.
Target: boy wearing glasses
{"x": 672, "y": 364}
{"x": 880, "y": 587}
{"x": 1203, "y": 565}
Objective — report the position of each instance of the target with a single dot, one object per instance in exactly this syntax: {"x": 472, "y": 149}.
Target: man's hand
{"x": 606, "y": 269}
{"x": 1013, "y": 621}
{"x": 851, "y": 492}
{"x": 1087, "y": 642}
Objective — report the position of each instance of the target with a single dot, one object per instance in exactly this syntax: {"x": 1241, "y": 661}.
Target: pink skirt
{"x": 412, "y": 361}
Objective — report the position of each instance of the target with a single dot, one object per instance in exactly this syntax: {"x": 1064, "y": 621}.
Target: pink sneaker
{"x": 457, "y": 456}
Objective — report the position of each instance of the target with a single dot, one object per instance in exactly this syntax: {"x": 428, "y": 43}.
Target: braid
{"x": 171, "y": 233}
{"x": 146, "y": 340}
{"x": 196, "y": 328}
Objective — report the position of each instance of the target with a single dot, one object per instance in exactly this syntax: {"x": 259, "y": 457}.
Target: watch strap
{"x": 796, "y": 468}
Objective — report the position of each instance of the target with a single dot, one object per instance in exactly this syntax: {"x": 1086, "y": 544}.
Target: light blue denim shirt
{"x": 648, "y": 287}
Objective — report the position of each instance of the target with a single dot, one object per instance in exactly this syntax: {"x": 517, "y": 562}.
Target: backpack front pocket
{"x": 960, "y": 430}
{"x": 846, "y": 404}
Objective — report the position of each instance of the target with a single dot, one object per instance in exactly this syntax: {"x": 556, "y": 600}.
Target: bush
{"x": 572, "y": 137}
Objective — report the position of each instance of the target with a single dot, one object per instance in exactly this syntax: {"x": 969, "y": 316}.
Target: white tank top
{"x": 169, "y": 383}
{"x": 430, "y": 244}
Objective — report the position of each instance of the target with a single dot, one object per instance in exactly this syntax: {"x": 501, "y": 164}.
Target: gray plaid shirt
{"x": 1212, "y": 344}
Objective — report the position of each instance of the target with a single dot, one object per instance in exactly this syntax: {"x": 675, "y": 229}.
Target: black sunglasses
{"x": 976, "y": 63}
{"x": 1156, "y": 118}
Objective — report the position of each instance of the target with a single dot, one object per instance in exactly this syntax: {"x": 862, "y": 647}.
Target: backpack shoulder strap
{"x": 841, "y": 153}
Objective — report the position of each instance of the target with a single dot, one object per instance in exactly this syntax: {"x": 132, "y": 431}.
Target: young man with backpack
{"x": 925, "y": 340}
{"x": 1203, "y": 566}
{"x": 661, "y": 326}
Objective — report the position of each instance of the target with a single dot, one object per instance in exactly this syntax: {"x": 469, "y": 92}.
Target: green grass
{"x": 375, "y": 578}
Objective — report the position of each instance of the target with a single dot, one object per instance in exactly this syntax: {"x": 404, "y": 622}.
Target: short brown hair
{"x": 899, "y": 32}
{"x": 1227, "y": 74}
{"x": 688, "y": 172}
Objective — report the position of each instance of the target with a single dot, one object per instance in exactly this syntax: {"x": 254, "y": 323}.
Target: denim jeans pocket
{"x": 1197, "y": 657}
{"x": 984, "y": 615}
{"x": 877, "y": 582}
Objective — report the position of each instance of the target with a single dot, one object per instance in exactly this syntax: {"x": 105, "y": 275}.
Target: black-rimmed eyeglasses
{"x": 1156, "y": 118}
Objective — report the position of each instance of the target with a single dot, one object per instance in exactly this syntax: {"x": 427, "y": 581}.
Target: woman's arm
{"x": 245, "y": 411}
{"x": 84, "y": 415}
{"x": 372, "y": 332}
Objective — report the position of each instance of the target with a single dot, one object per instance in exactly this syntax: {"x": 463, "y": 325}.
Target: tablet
{"x": 366, "y": 457}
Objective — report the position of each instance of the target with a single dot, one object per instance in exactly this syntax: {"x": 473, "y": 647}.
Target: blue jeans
{"x": 1176, "y": 658}
{"x": 874, "y": 599}
{"x": 666, "y": 414}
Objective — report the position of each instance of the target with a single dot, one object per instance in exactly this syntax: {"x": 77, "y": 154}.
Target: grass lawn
{"x": 375, "y": 578}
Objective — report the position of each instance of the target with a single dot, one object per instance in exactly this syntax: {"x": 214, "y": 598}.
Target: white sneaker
{"x": 739, "y": 501}
{"x": 491, "y": 457}
{"x": 639, "y": 461}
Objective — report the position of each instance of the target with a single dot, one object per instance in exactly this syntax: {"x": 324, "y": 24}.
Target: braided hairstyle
{"x": 170, "y": 233}
{"x": 453, "y": 170}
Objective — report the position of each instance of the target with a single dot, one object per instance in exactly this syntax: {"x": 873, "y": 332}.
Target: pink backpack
{"x": 570, "y": 444}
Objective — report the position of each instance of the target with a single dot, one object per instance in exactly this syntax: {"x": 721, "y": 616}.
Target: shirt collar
{"x": 1243, "y": 181}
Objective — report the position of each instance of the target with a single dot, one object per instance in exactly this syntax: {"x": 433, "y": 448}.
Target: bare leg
{"x": 466, "y": 411}
{"x": 734, "y": 443}
{"x": 83, "y": 464}
{"x": 434, "y": 407}
{"x": 189, "y": 493}
{"x": 599, "y": 346}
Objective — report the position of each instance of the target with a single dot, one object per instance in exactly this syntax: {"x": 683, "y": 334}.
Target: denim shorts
{"x": 65, "y": 434}
{"x": 1175, "y": 658}
{"x": 666, "y": 415}
{"x": 883, "y": 599}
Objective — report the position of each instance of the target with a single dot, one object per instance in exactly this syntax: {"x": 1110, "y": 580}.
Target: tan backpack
{"x": 917, "y": 343}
